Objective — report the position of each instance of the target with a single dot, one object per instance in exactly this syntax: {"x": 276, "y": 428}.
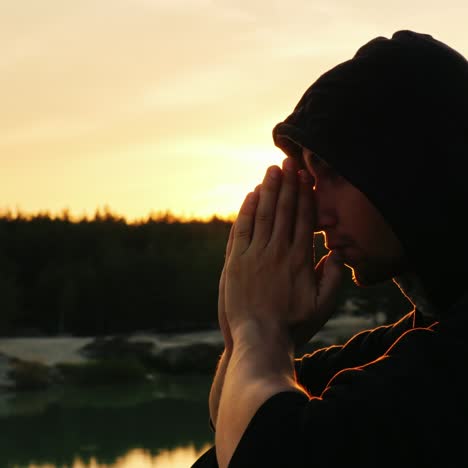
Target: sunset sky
{"x": 153, "y": 105}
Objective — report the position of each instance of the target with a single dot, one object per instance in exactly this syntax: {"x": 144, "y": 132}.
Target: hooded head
{"x": 393, "y": 121}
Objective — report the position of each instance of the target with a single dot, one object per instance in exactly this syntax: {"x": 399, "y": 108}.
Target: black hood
{"x": 393, "y": 120}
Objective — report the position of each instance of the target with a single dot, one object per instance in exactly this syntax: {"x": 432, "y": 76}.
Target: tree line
{"x": 105, "y": 275}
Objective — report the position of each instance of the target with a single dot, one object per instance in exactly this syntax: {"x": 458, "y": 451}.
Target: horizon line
{"x": 106, "y": 213}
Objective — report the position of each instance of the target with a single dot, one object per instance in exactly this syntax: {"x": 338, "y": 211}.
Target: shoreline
{"x": 54, "y": 350}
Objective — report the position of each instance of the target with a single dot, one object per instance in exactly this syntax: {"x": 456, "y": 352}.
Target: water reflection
{"x": 180, "y": 457}
{"x": 163, "y": 425}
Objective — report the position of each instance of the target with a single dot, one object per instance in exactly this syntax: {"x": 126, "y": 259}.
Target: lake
{"x": 163, "y": 424}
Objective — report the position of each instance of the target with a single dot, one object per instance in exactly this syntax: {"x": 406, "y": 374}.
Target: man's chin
{"x": 357, "y": 278}
{"x": 364, "y": 278}
{"x": 361, "y": 274}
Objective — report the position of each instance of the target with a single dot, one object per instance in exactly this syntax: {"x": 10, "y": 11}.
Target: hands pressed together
{"x": 270, "y": 279}
{"x": 272, "y": 299}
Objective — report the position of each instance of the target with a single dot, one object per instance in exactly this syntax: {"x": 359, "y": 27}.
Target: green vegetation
{"x": 28, "y": 375}
{"x": 104, "y": 276}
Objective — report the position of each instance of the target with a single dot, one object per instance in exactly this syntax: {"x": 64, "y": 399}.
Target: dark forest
{"x": 104, "y": 275}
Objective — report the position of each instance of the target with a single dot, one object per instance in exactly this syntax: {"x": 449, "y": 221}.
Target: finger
{"x": 244, "y": 224}
{"x": 221, "y": 291}
{"x": 222, "y": 279}
{"x": 283, "y": 228}
{"x": 305, "y": 214}
{"x": 222, "y": 321}
{"x": 229, "y": 243}
{"x": 231, "y": 231}
{"x": 329, "y": 275}
{"x": 265, "y": 214}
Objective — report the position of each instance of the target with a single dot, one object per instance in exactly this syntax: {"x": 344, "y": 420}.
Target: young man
{"x": 375, "y": 161}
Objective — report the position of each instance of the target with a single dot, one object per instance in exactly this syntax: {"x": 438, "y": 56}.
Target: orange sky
{"x": 153, "y": 105}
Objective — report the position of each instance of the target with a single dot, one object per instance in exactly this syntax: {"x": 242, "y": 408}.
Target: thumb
{"x": 329, "y": 275}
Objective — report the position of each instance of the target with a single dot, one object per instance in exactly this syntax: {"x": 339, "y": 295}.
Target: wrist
{"x": 217, "y": 386}
{"x": 266, "y": 336}
{"x": 262, "y": 357}
{"x": 228, "y": 345}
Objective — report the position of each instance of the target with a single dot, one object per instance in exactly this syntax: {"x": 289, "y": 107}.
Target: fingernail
{"x": 289, "y": 165}
{"x": 253, "y": 196}
{"x": 275, "y": 173}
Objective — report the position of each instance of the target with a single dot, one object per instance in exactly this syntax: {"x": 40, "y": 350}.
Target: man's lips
{"x": 338, "y": 249}
{"x": 334, "y": 246}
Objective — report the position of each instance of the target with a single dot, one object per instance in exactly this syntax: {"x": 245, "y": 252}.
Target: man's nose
{"x": 325, "y": 213}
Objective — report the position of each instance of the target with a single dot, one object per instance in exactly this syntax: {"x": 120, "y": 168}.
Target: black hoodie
{"x": 393, "y": 121}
